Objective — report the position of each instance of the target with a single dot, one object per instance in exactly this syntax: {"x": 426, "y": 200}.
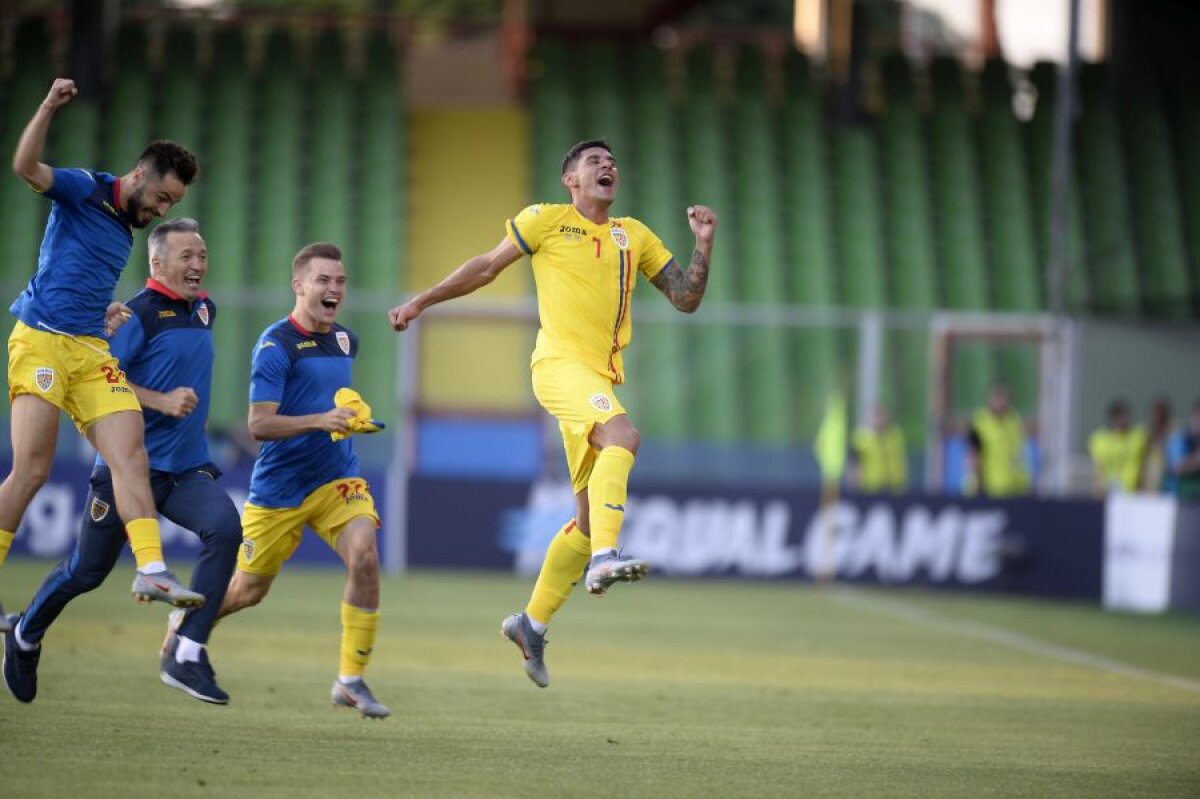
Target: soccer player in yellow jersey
{"x": 584, "y": 265}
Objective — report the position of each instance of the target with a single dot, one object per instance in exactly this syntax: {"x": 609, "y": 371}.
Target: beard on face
{"x": 135, "y": 208}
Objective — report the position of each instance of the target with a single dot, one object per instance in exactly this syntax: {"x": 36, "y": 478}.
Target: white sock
{"x": 601, "y": 552}
{"x": 346, "y": 679}
{"x": 188, "y": 650}
{"x": 153, "y": 567}
{"x": 21, "y": 642}
{"x": 537, "y": 626}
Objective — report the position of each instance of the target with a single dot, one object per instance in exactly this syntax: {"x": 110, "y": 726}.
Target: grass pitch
{"x": 662, "y": 689}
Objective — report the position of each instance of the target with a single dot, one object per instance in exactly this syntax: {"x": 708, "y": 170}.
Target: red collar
{"x": 117, "y": 194}
{"x": 300, "y": 327}
{"x": 166, "y": 291}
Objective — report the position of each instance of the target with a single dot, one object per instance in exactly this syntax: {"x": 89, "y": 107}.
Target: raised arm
{"x": 267, "y": 424}
{"x": 27, "y": 160}
{"x": 474, "y": 273}
{"x": 685, "y": 287}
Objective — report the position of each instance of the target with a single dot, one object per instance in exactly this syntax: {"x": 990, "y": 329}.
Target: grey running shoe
{"x": 163, "y": 587}
{"x": 604, "y": 570}
{"x": 357, "y": 696}
{"x": 20, "y": 666}
{"x": 195, "y": 678}
{"x": 5, "y": 624}
{"x": 532, "y": 644}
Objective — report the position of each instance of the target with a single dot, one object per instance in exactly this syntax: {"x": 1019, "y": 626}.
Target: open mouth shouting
{"x": 192, "y": 279}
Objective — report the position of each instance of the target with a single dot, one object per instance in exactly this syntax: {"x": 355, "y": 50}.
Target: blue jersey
{"x": 87, "y": 242}
{"x": 168, "y": 343}
{"x": 300, "y": 371}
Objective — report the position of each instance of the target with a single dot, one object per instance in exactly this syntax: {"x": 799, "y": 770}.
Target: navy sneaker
{"x": 20, "y": 667}
{"x": 195, "y": 678}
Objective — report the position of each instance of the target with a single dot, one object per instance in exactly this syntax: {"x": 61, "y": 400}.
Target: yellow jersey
{"x": 1003, "y": 456}
{"x": 882, "y": 460}
{"x": 584, "y": 275}
{"x": 1117, "y": 455}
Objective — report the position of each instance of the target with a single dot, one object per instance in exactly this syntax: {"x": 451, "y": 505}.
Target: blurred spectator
{"x": 996, "y": 459}
{"x": 880, "y": 456}
{"x": 232, "y": 446}
{"x": 1183, "y": 457}
{"x": 1154, "y": 474}
{"x": 1117, "y": 451}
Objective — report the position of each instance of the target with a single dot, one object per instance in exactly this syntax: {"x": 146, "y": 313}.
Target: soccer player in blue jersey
{"x": 57, "y": 355}
{"x": 306, "y": 472}
{"x": 166, "y": 351}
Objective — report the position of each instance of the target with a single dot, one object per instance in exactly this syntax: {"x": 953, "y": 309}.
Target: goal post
{"x": 1055, "y": 342}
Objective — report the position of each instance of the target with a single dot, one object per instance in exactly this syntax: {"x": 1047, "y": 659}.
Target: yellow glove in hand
{"x": 362, "y": 421}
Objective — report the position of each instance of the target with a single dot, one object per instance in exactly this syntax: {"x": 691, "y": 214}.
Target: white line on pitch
{"x": 905, "y": 612}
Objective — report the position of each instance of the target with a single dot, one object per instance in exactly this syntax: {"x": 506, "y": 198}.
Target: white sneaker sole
{"x": 627, "y": 573}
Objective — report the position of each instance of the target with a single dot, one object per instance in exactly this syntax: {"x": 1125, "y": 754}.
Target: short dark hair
{"x": 158, "y": 236}
{"x": 568, "y": 162}
{"x": 1118, "y": 408}
{"x": 320, "y": 249}
{"x": 166, "y": 157}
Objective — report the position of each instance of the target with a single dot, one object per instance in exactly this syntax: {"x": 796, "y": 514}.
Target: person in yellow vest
{"x": 1154, "y": 477}
{"x": 880, "y": 457}
{"x": 1117, "y": 451}
{"x": 996, "y": 456}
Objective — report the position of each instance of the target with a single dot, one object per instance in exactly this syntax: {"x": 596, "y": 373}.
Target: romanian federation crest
{"x": 620, "y": 236}
{"x": 202, "y": 312}
{"x": 343, "y": 340}
{"x": 602, "y": 403}
{"x": 248, "y": 549}
{"x": 44, "y": 377}
{"x": 98, "y": 509}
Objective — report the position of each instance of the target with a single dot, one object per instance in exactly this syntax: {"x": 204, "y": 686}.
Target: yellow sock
{"x": 145, "y": 541}
{"x": 606, "y": 496}
{"x": 6, "y": 539}
{"x": 565, "y": 560}
{"x": 358, "y": 639}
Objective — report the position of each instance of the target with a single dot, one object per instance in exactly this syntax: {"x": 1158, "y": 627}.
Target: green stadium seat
{"x": 22, "y": 213}
{"x": 958, "y": 220}
{"x": 224, "y": 209}
{"x": 380, "y": 197}
{"x": 1154, "y": 196}
{"x": 1040, "y": 130}
{"x": 707, "y": 181}
{"x": 809, "y": 242}
{"x": 656, "y": 358}
{"x": 1015, "y": 277}
{"x": 910, "y": 244}
{"x": 768, "y": 398}
{"x": 554, "y": 120}
{"x": 127, "y": 130}
{"x": 1106, "y": 208}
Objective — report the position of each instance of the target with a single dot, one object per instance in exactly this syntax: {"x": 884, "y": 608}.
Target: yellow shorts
{"x": 579, "y": 397}
{"x": 76, "y": 374}
{"x": 271, "y": 535}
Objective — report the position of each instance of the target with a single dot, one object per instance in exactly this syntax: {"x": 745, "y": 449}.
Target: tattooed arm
{"x": 685, "y": 287}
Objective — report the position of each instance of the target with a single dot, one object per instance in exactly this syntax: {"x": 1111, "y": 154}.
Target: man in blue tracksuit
{"x": 166, "y": 351}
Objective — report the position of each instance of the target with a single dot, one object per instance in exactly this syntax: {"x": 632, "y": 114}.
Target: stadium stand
{"x": 1106, "y": 209}
{"x": 762, "y": 272}
{"x": 807, "y": 226}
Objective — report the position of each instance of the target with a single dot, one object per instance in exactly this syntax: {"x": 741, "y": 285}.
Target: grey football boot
{"x": 613, "y": 567}
{"x": 532, "y": 644}
{"x": 357, "y": 696}
{"x": 163, "y": 587}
